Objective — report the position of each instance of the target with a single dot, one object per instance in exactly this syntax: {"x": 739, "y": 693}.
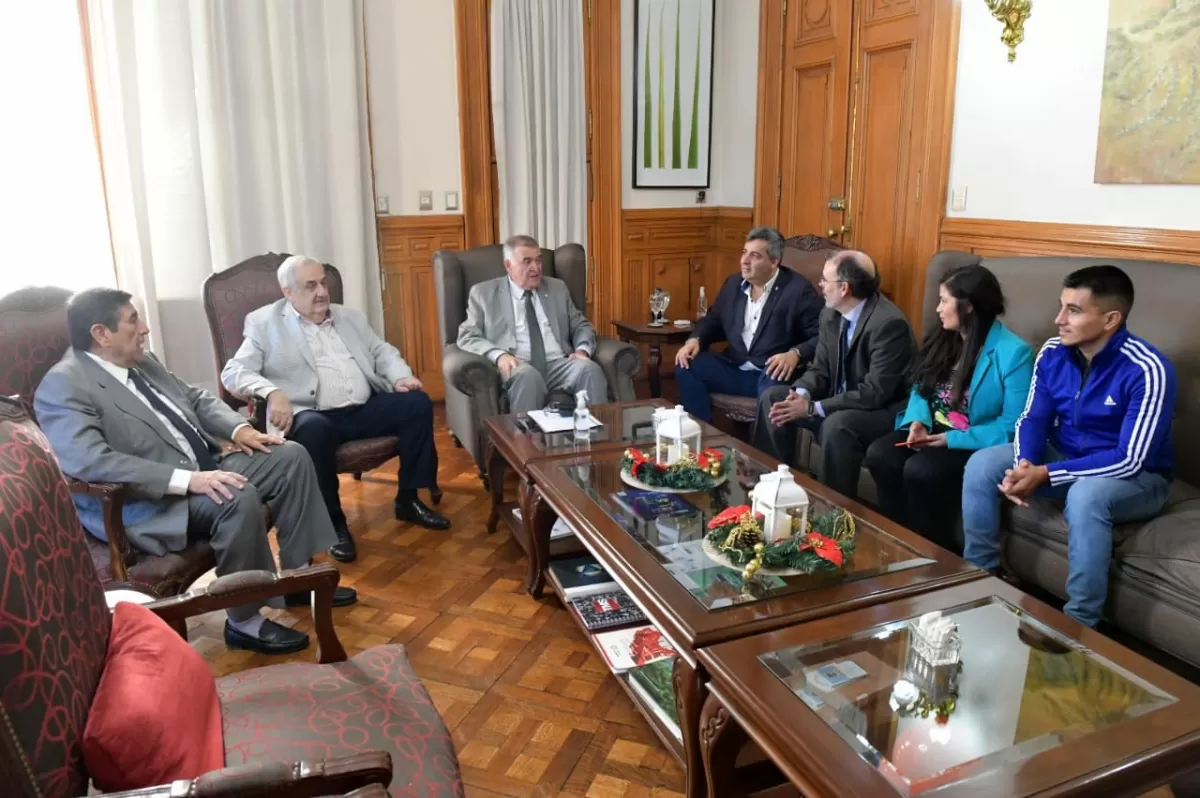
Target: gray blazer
{"x": 275, "y": 355}
{"x": 877, "y": 362}
{"x": 490, "y": 324}
{"x": 102, "y": 432}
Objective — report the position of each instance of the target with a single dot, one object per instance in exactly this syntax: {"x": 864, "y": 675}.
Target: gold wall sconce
{"x": 1013, "y": 14}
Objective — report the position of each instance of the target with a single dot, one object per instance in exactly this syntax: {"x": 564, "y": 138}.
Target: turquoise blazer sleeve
{"x": 918, "y": 410}
{"x": 997, "y": 395}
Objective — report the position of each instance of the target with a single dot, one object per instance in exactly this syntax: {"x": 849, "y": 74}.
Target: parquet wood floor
{"x": 533, "y": 709}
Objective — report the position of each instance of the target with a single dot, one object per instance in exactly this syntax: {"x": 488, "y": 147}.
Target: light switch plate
{"x": 451, "y": 200}
{"x": 381, "y": 203}
{"x": 426, "y": 200}
{"x": 958, "y": 199}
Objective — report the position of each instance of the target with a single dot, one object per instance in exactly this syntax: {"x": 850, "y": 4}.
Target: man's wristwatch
{"x": 812, "y": 409}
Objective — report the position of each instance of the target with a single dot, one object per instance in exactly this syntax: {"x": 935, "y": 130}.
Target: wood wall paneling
{"x": 678, "y": 250}
{"x": 471, "y": 21}
{"x": 603, "y": 47}
{"x": 999, "y": 238}
{"x": 410, "y": 297}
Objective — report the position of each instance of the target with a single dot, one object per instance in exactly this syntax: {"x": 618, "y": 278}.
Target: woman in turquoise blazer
{"x": 970, "y": 382}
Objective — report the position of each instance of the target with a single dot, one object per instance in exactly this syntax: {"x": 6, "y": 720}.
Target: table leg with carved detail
{"x": 539, "y": 519}
{"x": 689, "y": 696}
{"x": 496, "y": 465}
{"x": 721, "y": 739}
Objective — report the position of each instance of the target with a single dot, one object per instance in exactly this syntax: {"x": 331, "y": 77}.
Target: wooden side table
{"x": 655, "y": 338}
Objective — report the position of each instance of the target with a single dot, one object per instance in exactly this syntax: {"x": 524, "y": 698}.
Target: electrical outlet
{"x": 381, "y": 203}
{"x": 958, "y": 199}
{"x": 426, "y": 200}
{"x": 701, "y": 196}
{"x": 451, "y": 200}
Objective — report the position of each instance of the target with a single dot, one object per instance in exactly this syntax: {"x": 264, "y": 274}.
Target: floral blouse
{"x": 947, "y": 416}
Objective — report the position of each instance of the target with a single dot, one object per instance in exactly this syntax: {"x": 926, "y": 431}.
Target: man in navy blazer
{"x": 770, "y": 317}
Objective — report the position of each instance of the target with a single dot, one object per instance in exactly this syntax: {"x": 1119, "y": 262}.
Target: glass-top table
{"x": 1018, "y": 701}
{"x": 1015, "y": 689}
{"x": 672, "y": 531}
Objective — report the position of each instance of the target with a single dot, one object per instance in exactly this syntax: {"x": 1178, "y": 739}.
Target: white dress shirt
{"x": 178, "y": 486}
{"x": 549, "y": 340}
{"x": 754, "y": 309}
{"x": 851, "y": 317}
{"x": 340, "y": 381}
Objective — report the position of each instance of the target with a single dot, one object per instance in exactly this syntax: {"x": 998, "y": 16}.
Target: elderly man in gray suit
{"x": 329, "y": 379}
{"x": 195, "y": 469}
{"x": 528, "y": 326}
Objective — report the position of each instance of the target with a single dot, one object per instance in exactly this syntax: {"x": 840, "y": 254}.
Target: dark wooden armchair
{"x": 376, "y": 713}
{"x": 33, "y": 337}
{"x": 228, "y": 297}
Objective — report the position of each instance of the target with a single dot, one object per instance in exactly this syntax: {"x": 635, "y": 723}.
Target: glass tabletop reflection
{"x": 1008, "y": 688}
{"x": 672, "y": 527}
{"x": 631, "y": 423}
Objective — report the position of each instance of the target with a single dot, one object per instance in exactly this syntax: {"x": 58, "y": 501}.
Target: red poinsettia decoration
{"x": 730, "y": 515}
{"x": 708, "y": 457}
{"x": 823, "y": 547}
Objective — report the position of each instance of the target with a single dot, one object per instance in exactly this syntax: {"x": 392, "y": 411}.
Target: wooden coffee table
{"x": 695, "y": 602}
{"x": 1044, "y": 706}
{"x": 509, "y": 445}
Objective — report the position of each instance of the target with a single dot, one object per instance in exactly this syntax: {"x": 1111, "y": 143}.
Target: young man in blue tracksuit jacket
{"x": 1096, "y": 431}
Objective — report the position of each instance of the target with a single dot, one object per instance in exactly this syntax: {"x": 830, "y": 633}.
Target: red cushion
{"x": 156, "y": 717}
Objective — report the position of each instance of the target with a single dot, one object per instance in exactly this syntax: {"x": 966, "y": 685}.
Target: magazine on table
{"x": 607, "y": 609}
{"x": 578, "y": 576}
{"x": 632, "y": 647}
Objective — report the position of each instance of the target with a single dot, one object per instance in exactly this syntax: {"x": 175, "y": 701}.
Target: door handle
{"x": 839, "y": 232}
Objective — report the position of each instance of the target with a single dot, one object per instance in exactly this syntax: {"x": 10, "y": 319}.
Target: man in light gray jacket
{"x": 528, "y": 326}
{"x": 193, "y": 467}
{"x": 329, "y": 379}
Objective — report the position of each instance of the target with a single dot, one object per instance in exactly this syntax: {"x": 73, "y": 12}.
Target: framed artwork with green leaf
{"x": 672, "y": 97}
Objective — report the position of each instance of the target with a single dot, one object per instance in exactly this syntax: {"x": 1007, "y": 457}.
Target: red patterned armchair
{"x": 33, "y": 337}
{"x": 228, "y": 297}
{"x": 289, "y": 730}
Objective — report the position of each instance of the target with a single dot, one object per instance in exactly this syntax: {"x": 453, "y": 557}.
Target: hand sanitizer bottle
{"x": 583, "y": 417}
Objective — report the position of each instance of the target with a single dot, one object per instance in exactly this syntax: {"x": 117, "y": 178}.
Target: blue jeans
{"x": 1093, "y": 505}
{"x": 710, "y": 373}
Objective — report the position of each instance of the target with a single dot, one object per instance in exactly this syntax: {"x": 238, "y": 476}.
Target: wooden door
{"x": 854, "y": 116}
{"x": 886, "y": 140}
{"x": 817, "y": 71}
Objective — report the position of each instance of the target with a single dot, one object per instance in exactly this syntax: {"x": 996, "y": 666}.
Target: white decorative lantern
{"x": 782, "y": 504}
{"x": 676, "y": 435}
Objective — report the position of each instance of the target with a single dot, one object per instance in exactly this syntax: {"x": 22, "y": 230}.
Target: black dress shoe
{"x": 414, "y": 511}
{"x": 342, "y": 597}
{"x": 272, "y": 639}
{"x": 344, "y": 550}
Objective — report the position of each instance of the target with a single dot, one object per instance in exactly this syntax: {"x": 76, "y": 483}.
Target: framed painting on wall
{"x": 672, "y": 96}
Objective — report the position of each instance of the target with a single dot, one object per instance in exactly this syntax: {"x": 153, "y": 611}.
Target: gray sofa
{"x": 472, "y": 383}
{"x": 1154, "y": 584}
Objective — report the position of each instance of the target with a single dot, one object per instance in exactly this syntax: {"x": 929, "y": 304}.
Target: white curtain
{"x": 540, "y": 119}
{"x": 230, "y": 128}
{"x": 53, "y": 228}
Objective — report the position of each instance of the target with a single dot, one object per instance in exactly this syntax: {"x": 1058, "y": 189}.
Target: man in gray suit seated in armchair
{"x": 195, "y": 468}
{"x": 329, "y": 379}
{"x": 528, "y": 326}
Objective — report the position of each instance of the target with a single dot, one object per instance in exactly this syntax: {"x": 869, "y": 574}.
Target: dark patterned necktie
{"x": 839, "y": 381}
{"x": 200, "y": 449}
{"x": 537, "y": 347}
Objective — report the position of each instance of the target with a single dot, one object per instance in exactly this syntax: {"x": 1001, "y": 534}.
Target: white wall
{"x": 414, "y": 102}
{"x": 735, "y": 88}
{"x": 1025, "y": 133}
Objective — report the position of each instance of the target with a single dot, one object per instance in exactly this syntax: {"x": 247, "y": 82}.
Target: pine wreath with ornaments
{"x": 692, "y": 472}
{"x": 826, "y": 546}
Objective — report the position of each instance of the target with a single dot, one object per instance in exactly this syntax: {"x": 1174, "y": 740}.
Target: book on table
{"x": 606, "y": 610}
{"x": 578, "y": 576}
{"x": 652, "y": 683}
{"x": 633, "y": 646}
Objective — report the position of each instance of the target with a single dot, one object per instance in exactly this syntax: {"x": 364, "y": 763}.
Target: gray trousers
{"x": 286, "y": 483}
{"x": 844, "y": 437}
{"x": 527, "y": 387}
